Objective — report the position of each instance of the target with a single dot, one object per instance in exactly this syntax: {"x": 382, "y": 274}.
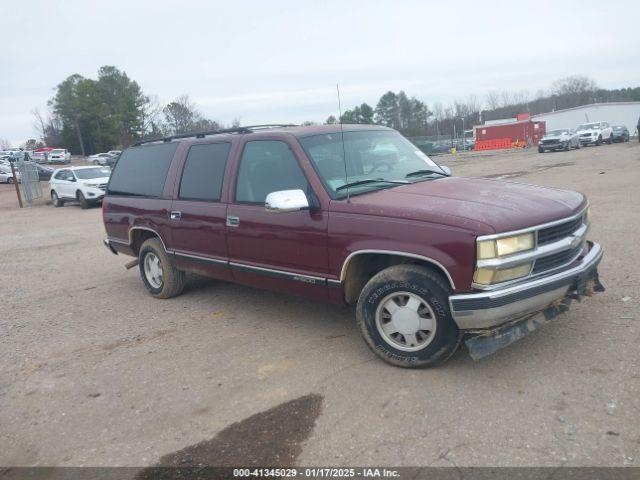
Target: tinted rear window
{"x": 142, "y": 170}
{"x": 203, "y": 172}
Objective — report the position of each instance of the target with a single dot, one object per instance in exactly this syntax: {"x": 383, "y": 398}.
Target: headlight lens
{"x": 505, "y": 246}
{"x": 488, "y": 276}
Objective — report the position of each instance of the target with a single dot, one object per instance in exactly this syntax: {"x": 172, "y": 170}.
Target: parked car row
{"x": 594, "y": 133}
{"x": 104, "y": 158}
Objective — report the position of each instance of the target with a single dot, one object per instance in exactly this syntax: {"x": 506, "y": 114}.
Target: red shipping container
{"x": 524, "y": 131}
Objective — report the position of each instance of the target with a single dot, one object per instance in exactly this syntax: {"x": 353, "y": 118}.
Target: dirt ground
{"x": 93, "y": 371}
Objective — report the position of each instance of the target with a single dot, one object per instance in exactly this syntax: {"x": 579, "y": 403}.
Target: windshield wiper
{"x": 366, "y": 181}
{"x": 420, "y": 173}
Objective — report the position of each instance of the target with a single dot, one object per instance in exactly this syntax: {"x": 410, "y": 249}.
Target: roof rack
{"x": 247, "y": 129}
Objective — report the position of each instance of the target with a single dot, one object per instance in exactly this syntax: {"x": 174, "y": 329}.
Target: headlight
{"x": 489, "y": 276}
{"x": 505, "y": 246}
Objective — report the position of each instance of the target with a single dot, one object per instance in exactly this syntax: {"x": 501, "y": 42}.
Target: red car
{"x": 357, "y": 216}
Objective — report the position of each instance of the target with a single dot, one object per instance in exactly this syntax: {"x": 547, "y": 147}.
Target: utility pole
{"x": 15, "y": 182}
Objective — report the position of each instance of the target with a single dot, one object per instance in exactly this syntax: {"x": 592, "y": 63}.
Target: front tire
{"x": 84, "y": 204}
{"x": 55, "y": 199}
{"x": 540, "y": 150}
{"x": 599, "y": 141}
{"x": 10, "y": 180}
{"x": 403, "y": 315}
{"x": 159, "y": 276}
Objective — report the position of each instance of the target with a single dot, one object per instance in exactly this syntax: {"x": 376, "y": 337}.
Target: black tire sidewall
{"x": 447, "y": 336}
{"x": 143, "y": 253}
{"x": 83, "y": 200}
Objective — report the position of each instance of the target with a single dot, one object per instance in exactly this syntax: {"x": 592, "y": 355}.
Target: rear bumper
{"x": 492, "y": 308}
{"x": 107, "y": 244}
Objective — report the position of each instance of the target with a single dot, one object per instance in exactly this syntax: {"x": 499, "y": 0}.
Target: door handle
{"x": 233, "y": 221}
{"x": 175, "y": 215}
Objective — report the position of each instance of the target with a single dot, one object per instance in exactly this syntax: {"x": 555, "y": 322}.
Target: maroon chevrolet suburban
{"x": 359, "y": 216}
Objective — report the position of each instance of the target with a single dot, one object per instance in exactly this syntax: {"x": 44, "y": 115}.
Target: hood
{"x": 95, "y": 180}
{"x": 555, "y": 137}
{"x": 481, "y": 205}
{"x": 591, "y": 130}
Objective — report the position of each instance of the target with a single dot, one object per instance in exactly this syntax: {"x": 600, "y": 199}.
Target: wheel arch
{"x": 362, "y": 265}
{"x": 138, "y": 235}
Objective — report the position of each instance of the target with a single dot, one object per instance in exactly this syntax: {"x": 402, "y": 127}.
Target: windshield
{"x": 589, "y": 126}
{"x": 57, "y": 151}
{"x": 557, "y": 132}
{"x": 88, "y": 173}
{"x": 618, "y": 127}
{"x": 370, "y": 154}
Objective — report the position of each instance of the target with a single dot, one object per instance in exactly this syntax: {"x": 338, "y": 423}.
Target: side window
{"x": 61, "y": 175}
{"x": 204, "y": 171}
{"x": 267, "y": 166}
{"x": 142, "y": 170}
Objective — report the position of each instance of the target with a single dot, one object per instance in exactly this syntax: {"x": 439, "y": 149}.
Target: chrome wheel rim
{"x": 153, "y": 270}
{"x": 406, "y": 321}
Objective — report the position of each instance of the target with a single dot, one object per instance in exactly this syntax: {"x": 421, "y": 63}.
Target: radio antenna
{"x": 344, "y": 152}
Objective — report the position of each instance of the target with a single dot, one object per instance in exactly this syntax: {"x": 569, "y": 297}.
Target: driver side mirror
{"x": 286, "y": 201}
{"x": 445, "y": 169}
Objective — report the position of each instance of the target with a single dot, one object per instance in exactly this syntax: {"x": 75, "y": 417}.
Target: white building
{"x": 616, "y": 113}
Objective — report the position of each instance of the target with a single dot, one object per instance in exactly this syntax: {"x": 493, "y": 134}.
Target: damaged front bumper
{"x": 499, "y": 317}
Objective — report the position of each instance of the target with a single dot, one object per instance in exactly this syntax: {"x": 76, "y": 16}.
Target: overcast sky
{"x": 279, "y": 61}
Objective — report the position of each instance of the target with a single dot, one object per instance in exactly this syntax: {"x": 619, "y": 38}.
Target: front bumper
{"x": 489, "y": 309}
{"x": 93, "y": 194}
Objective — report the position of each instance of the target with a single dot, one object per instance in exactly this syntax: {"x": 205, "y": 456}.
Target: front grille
{"x": 550, "y": 142}
{"x": 102, "y": 186}
{"x": 585, "y": 135}
{"x": 555, "y": 260}
{"x": 552, "y": 234}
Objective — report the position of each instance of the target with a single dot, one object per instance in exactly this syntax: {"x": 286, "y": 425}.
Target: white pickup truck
{"x": 595, "y": 133}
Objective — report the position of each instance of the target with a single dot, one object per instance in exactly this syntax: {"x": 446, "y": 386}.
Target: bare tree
{"x": 49, "y": 130}
{"x": 473, "y": 104}
{"x": 150, "y": 115}
{"x": 181, "y": 115}
{"x": 493, "y": 100}
{"x": 4, "y": 144}
{"x": 506, "y": 98}
{"x": 572, "y": 85}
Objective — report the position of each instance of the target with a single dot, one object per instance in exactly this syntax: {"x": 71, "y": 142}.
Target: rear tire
{"x": 159, "y": 276}
{"x": 418, "y": 298}
{"x": 84, "y": 204}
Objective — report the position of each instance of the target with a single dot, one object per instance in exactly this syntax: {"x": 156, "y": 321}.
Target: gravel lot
{"x": 96, "y": 372}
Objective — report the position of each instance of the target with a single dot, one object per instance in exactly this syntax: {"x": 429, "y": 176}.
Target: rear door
{"x": 198, "y": 215}
{"x": 284, "y": 251}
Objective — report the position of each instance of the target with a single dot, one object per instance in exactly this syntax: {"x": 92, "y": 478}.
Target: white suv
{"x": 83, "y": 184}
{"x": 595, "y": 133}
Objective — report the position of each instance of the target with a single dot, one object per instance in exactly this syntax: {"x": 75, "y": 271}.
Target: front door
{"x": 277, "y": 250}
{"x": 66, "y": 184}
{"x": 198, "y": 231}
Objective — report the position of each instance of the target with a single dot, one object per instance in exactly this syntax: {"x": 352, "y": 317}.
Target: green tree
{"x": 388, "y": 110}
{"x": 331, "y": 120}
{"x": 98, "y": 115}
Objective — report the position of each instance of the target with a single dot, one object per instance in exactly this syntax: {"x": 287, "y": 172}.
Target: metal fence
{"x": 29, "y": 180}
